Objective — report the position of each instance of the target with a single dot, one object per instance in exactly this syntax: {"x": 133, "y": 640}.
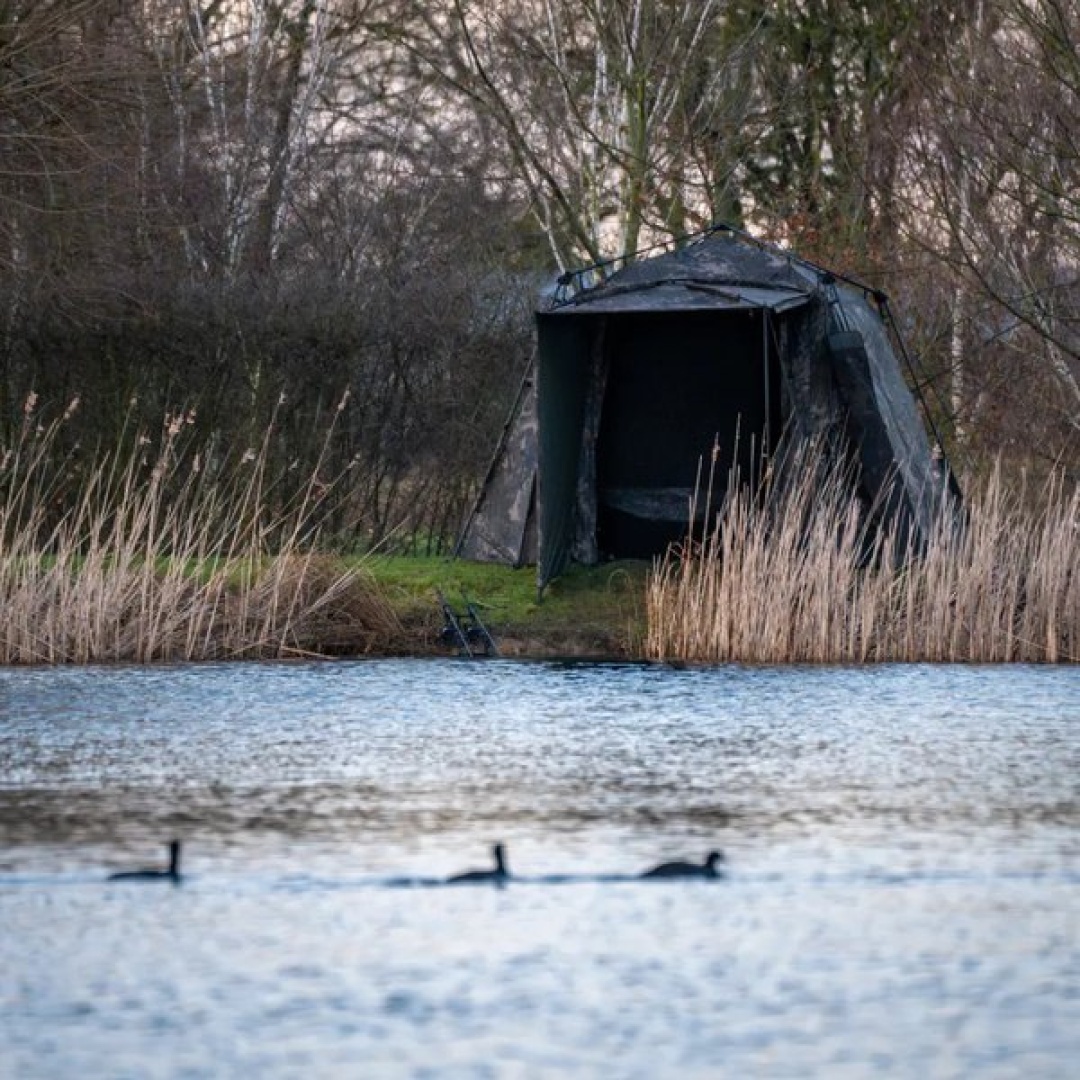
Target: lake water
{"x": 901, "y": 895}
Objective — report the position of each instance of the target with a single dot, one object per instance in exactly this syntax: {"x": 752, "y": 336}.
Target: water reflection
{"x": 380, "y": 752}
{"x": 903, "y": 870}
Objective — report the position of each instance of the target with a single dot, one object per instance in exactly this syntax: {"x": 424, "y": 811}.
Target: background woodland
{"x": 311, "y": 233}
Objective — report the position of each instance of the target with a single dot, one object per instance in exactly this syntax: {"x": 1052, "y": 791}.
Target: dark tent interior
{"x": 676, "y": 385}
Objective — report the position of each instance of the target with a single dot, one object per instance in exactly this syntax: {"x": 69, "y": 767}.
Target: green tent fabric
{"x": 719, "y": 347}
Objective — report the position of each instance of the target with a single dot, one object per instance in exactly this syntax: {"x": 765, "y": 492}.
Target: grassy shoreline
{"x": 590, "y": 612}
{"x": 156, "y": 557}
{"x": 158, "y": 549}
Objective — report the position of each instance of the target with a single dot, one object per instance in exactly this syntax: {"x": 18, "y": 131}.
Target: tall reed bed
{"x": 790, "y": 573}
{"x": 150, "y": 550}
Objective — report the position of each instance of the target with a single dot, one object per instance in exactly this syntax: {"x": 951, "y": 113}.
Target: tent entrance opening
{"x": 678, "y": 383}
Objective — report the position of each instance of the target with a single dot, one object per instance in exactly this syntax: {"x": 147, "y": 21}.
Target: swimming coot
{"x": 170, "y": 874}
{"x": 707, "y": 869}
{"x": 496, "y": 876}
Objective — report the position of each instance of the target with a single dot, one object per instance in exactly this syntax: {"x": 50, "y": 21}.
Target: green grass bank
{"x": 594, "y": 612}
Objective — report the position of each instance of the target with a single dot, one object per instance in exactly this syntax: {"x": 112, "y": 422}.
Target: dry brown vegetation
{"x": 157, "y": 559}
{"x": 147, "y": 553}
{"x": 789, "y": 574}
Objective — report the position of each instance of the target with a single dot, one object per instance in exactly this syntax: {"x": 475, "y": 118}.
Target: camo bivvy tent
{"x": 722, "y": 342}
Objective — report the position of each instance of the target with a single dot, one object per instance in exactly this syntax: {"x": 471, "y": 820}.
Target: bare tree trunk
{"x": 961, "y": 312}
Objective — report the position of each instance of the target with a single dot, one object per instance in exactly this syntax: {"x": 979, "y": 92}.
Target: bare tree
{"x": 57, "y": 80}
{"x": 992, "y": 191}
{"x": 624, "y": 120}
{"x": 248, "y": 85}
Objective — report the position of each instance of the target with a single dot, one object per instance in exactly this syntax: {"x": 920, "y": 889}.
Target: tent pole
{"x": 501, "y": 445}
{"x": 766, "y": 443}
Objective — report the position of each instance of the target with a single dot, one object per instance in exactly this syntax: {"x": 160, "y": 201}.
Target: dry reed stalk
{"x": 790, "y": 573}
{"x": 168, "y": 566}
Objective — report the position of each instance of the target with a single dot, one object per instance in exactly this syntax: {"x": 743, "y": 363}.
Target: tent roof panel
{"x": 686, "y": 296}
{"x": 716, "y": 272}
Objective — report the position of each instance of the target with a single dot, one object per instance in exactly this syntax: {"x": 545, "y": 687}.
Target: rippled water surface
{"x": 901, "y": 895}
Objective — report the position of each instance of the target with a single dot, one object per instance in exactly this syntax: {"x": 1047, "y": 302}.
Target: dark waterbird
{"x": 497, "y": 876}
{"x": 172, "y": 873}
{"x": 707, "y": 869}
